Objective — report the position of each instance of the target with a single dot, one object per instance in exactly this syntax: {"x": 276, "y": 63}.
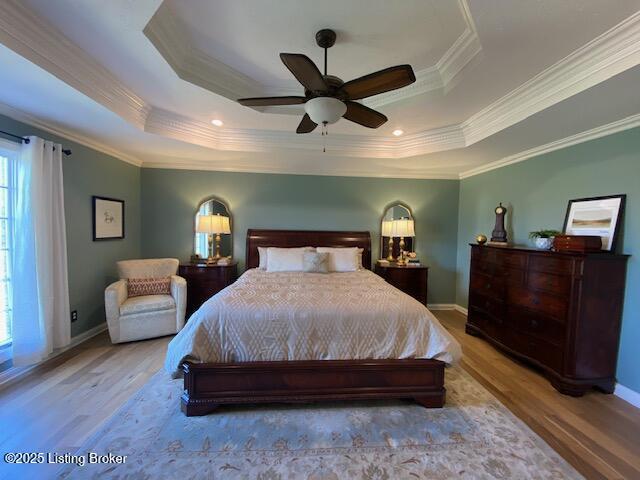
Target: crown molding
{"x": 30, "y": 36}
{"x": 602, "y": 131}
{"x": 191, "y": 64}
{"x": 171, "y": 125}
{"x": 609, "y": 54}
{"x": 21, "y": 116}
{"x": 188, "y": 164}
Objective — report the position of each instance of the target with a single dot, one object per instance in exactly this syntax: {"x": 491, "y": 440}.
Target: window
{"x": 6, "y": 156}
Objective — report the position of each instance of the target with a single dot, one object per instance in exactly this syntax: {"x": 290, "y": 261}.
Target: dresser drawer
{"x": 557, "y": 284}
{"x": 487, "y": 285}
{"x": 551, "y": 264}
{"x": 487, "y": 255}
{"x": 539, "y": 326}
{"x": 544, "y": 303}
{"x": 488, "y": 305}
{"x": 489, "y": 324}
{"x": 544, "y": 352}
{"x": 515, "y": 260}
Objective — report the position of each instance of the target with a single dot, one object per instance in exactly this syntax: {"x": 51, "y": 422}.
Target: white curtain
{"x": 40, "y": 288}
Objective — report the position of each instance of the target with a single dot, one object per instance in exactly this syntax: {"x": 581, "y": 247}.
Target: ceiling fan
{"x": 327, "y": 97}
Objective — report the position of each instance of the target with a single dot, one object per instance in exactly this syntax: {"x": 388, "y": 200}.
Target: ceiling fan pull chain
{"x": 325, "y": 132}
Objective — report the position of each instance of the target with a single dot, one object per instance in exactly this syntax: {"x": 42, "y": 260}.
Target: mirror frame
{"x": 384, "y": 213}
{"x": 226, "y": 206}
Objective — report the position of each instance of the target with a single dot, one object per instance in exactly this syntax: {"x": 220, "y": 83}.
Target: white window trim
{"x": 8, "y": 149}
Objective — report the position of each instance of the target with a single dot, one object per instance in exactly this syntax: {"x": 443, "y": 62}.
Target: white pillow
{"x": 344, "y": 259}
{"x": 262, "y": 255}
{"x": 286, "y": 259}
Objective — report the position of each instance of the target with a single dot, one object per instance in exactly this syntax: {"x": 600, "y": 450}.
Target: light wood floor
{"x": 64, "y": 401}
{"x": 598, "y": 434}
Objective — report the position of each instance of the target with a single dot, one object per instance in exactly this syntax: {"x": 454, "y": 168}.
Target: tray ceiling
{"x": 157, "y": 73}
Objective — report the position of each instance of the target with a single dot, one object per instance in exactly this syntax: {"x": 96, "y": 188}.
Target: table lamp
{"x": 213, "y": 224}
{"x": 386, "y": 232}
{"x": 402, "y": 227}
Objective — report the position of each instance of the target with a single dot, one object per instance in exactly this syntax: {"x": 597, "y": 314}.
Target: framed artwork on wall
{"x": 599, "y": 216}
{"x": 108, "y": 218}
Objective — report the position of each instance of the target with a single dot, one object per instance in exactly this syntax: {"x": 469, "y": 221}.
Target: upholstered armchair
{"x": 146, "y": 316}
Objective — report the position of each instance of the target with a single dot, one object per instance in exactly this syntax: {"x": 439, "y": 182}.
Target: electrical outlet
{"x": 74, "y": 315}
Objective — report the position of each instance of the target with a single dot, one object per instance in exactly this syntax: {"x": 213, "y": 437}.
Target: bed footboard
{"x": 209, "y": 385}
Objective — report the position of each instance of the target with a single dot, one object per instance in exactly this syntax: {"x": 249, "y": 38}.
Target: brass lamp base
{"x": 390, "y": 249}
{"x": 213, "y": 259}
{"x": 401, "y": 261}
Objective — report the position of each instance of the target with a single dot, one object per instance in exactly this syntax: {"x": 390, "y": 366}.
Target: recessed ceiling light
{"x": 217, "y": 123}
{"x": 398, "y": 132}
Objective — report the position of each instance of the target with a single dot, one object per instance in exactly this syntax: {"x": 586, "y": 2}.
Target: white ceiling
{"x": 143, "y": 79}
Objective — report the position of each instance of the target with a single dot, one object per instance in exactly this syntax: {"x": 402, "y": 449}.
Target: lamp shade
{"x": 403, "y": 227}
{"x": 325, "y": 109}
{"x": 386, "y": 228}
{"x": 213, "y": 224}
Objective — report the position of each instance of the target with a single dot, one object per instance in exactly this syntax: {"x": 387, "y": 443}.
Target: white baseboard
{"x": 14, "y": 373}
{"x": 84, "y": 336}
{"x": 627, "y": 395}
{"x": 440, "y": 306}
{"x": 461, "y": 309}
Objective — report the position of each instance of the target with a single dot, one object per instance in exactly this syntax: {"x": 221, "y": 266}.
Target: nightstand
{"x": 204, "y": 281}
{"x": 412, "y": 280}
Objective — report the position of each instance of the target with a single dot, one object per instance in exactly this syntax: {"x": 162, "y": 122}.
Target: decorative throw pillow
{"x": 136, "y": 287}
{"x": 341, "y": 259}
{"x": 314, "y": 262}
{"x": 286, "y": 259}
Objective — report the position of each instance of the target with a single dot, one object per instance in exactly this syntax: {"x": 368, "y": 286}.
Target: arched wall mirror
{"x": 213, "y": 229}
{"x": 396, "y": 227}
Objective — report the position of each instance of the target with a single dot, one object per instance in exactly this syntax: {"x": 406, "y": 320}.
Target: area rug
{"x": 473, "y": 437}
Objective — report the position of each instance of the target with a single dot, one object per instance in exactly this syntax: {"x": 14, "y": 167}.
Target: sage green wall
{"x": 91, "y": 264}
{"x": 536, "y": 193}
{"x": 170, "y": 198}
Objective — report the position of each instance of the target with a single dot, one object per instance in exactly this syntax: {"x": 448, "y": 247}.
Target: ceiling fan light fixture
{"x": 217, "y": 123}
{"x": 325, "y": 110}
{"x": 397, "y": 132}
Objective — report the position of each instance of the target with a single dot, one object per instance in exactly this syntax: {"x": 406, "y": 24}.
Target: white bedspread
{"x": 310, "y": 316}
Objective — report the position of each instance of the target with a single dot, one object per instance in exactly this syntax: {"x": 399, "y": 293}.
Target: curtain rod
{"x": 66, "y": 151}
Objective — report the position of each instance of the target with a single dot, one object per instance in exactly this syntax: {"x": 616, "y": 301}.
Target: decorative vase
{"x": 544, "y": 243}
{"x": 481, "y": 239}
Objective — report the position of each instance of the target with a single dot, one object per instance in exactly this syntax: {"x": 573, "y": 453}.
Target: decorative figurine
{"x": 499, "y": 234}
{"x": 481, "y": 239}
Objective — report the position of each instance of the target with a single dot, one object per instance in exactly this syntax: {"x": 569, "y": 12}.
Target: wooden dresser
{"x": 410, "y": 279}
{"x": 559, "y": 311}
{"x": 204, "y": 281}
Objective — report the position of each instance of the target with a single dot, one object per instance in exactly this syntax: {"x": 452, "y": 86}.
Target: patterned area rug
{"x": 474, "y": 436}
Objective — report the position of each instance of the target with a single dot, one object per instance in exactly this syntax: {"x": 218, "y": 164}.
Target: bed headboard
{"x": 305, "y": 238}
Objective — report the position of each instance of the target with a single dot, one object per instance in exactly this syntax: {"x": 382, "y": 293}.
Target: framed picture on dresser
{"x": 600, "y": 216}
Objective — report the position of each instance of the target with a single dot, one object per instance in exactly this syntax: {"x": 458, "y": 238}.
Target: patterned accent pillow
{"x": 136, "y": 287}
{"x": 314, "y": 262}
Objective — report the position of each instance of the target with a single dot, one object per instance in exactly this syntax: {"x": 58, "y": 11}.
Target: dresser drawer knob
{"x": 535, "y": 301}
{"x": 488, "y": 285}
{"x": 534, "y": 323}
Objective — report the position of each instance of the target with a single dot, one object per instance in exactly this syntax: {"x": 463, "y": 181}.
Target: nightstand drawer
{"x": 203, "y": 282}
{"x": 411, "y": 280}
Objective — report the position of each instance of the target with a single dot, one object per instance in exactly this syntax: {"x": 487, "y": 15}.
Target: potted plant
{"x": 543, "y": 239}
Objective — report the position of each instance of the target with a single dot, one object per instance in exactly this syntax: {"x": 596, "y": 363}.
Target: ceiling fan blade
{"x": 270, "y": 101}
{"x": 306, "y": 125}
{"x": 385, "y": 80}
{"x": 305, "y": 71}
{"x": 365, "y": 116}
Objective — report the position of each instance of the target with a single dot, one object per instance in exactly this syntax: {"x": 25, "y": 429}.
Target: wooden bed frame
{"x": 209, "y": 385}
